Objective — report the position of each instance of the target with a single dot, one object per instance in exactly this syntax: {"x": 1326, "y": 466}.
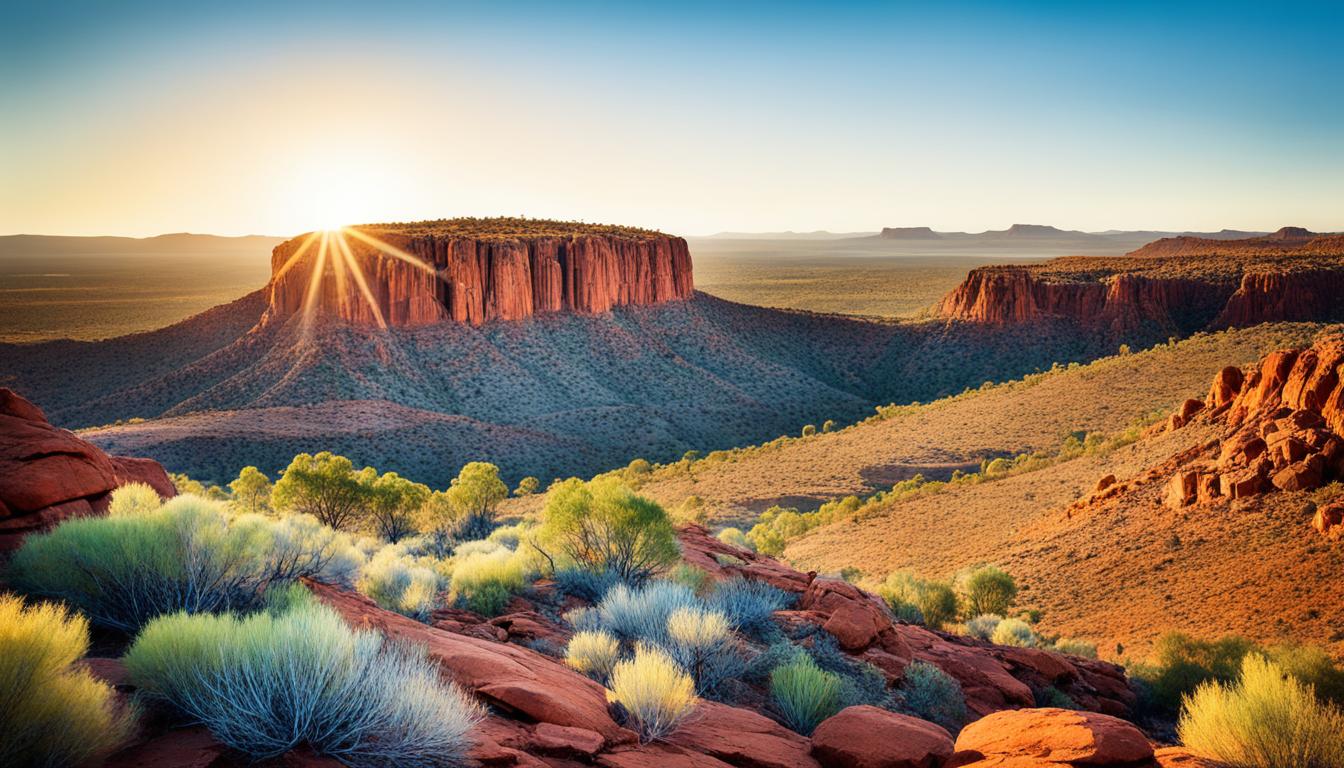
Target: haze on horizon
{"x": 144, "y": 118}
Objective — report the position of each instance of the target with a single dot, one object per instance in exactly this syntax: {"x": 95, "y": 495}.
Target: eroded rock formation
{"x": 423, "y": 275}
{"x": 1181, "y": 284}
{"x": 48, "y": 474}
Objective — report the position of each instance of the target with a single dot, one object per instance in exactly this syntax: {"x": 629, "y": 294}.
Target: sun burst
{"x": 334, "y": 247}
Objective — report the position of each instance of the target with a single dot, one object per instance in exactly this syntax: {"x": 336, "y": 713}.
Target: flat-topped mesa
{"x": 475, "y": 271}
{"x": 1179, "y": 284}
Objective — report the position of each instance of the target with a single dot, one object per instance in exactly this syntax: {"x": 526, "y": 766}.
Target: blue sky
{"x": 138, "y": 118}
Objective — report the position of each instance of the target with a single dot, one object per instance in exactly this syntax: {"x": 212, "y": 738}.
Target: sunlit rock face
{"x": 474, "y": 271}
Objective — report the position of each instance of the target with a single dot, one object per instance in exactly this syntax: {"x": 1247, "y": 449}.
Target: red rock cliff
{"x": 419, "y": 275}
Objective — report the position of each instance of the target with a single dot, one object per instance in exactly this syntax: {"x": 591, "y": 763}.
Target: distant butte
{"x": 477, "y": 270}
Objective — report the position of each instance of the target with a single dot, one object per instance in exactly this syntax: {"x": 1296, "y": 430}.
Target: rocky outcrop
{"x": 1180, "y": 285}
{"x": 48, "y": 474}
{"x": 869, "y": 737}
{"x": 425, "y": 276}
{"x": 1051, "y": 737}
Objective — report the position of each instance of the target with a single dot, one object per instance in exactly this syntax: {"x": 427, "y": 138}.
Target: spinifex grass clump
{"x": 593, "y": 653}
{"x": 268, "y": 683}
{"x": 655, "y": 693}
{"x": 51, "y": 713}
{"x": 190, "y": 554}
{"x": 1266, "y": 719}
{"x": 804, "y": 694}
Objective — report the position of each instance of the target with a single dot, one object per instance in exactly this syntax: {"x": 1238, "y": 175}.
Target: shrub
{"x": 695, "y": 579}
{"x": 527, "y": 486}
{"x": 307, "y": 678}
{"x": 604, "y": 526}
{"x": 700, "y": 641}
{"x": 987, "y": 590}
{"x": 397, "y": 582}
{"x": 804, "y": 694}
{"x": 1182, "y": 663}
{"x": 1076, "y": 647}
{"x": 642, "y": 614}
{"x": 983, "y": 626}
{"x": 587, "y": 585}
{"x": 935, "y": 601}
{"x": 53, "y": 713}
{"x": 187, "y": 554}
{"x": 1267, "y": 719}
{"x": 1051, "y": 696}
{"x": 654, "y": 692}
{"x": 748, "y": 604}
{"x": 485, "y": 581}
{"x": 860, "y": 682}
{"x": 252, "y": 490}
{"x": 133, "y": 498}
{"x": 593, "y": 653}
{"x": 932, "y": 694}
{"x": 1015, "y": 632}
{"x": 325, "y": 486}
{"x": 734, "y": 537}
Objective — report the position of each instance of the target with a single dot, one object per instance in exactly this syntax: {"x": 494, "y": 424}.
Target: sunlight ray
{"x": 298, "y": 254}
{"x": 392, "y": 250}
{"x": 339, "y": 264}
{"x": 315, "y": 282}
{"x": 358, "y": 275}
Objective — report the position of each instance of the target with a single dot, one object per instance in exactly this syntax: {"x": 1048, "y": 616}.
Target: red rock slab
{"x": 869, "y": 737}
{"x": 742, "y": 738}
{"x": 510, "y": 677}
{"x": 1054, "y": 736}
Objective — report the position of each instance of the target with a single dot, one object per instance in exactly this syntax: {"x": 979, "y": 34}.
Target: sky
{"x": 140, "y": 118}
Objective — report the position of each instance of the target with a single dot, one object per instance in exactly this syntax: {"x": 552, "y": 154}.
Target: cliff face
{"x": 477, "y": 279}
{"x": 1180, "y": 284}
{"x": 1121, "y": 302}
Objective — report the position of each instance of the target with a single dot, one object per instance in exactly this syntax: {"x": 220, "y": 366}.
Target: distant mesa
{"x": 908, "y": 233}
{"x": 1180, "y": 284}
{"x": 1035, "y": 230}
{"x": 474, "y": 271}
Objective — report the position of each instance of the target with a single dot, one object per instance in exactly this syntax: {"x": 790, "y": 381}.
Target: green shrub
{"x": 399, "y": 582}
{"x": 734, "y": 537}
{"x": 935, "y": 601}
{"x": 1053, "y": 697}
{"x": 604, "y": 526}
{"x": 585, "y": 585}
{"x": 1075, "y": 647}
{"x": 593, "y": 653}
{"x": 1266, "y": 719}
{"x": 133, "y": 499}
{"x": 1182, "y": 663}
{"x": 51, "y": 712}
{"x": 804, "y": 694}
{"x": 701, "y": 642}
{"x": 655, "y": 693}
{"x": 695, "y": 579}
{"x": 1015, "y": 632}
{"x": 986, "y": 589}
{"x": 306, "y": 678}
{"x": 983, "y": 626}
{"x": 188, "y": 554}
{"x": 485, "y": 582}
{"x": 527, "y": 486}
{"x": 932, "y": 694}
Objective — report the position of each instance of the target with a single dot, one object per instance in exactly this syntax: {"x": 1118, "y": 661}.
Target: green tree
{"x": 527, "y": 486}
{"x": 327, "y": 487}
{"x": 394, "y": 503}
{"x": 986, "y": 589}
{"x": 604, "y": 526}
{"x": 828, "y": 425}
{"x": 252, "y": 489}
{"x": 474, "y": 494}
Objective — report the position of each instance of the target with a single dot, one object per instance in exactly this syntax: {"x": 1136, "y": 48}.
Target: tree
{"x": 986, "y": 589}
{"x": 809, "y": 430}
{"x": 394, "y": 504}
{"x": 527, "y": 486}
{"x": 252, "y": 489}
{"x": 828, "y": 425}
{"x": 327, "y": 487}
{"x": 604, "y": 526}
{"x": 474, "y": 493}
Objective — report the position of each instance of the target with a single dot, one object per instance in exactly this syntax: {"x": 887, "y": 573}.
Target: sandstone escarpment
{"x": 475, "y": 271}
{"x": 1177, "y": 285}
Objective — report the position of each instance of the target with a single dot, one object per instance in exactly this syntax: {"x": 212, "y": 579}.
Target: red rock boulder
{"x": 1051, "y": 737}
{"x": 869, "y": 737}
{"x": 49, "y": 474}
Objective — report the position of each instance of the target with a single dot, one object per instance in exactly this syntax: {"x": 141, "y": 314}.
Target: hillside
{"x": 1124, "y": 573}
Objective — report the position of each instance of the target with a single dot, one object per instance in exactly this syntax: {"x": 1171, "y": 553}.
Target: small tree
{"x": 527, "y": 486}
{"x": 986, "y": 589}
{"x": 325, "y": 486}
{"x": 828, "y": 425}
{"x": 474, "y": 494}
{"x": 604, "y": 526}
{"x": 394, "y": 504}
{"x": 809, "y": 430}
{"x": 252, "y": 489}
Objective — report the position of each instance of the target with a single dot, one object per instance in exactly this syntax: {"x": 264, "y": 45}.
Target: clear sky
{"x": 139, "y": 118}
